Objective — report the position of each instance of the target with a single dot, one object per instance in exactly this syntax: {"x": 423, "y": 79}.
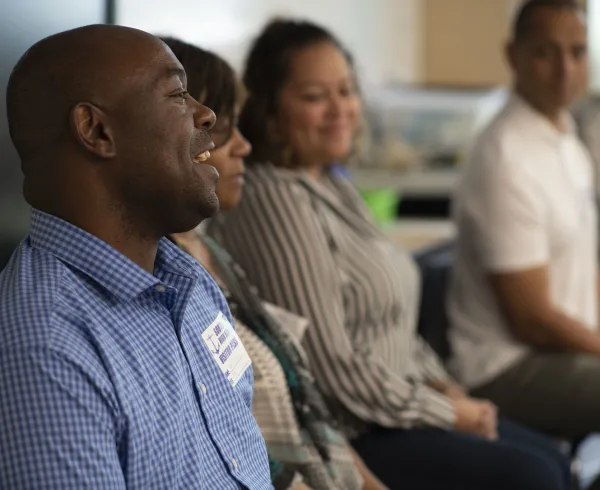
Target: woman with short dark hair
{"x": 306, "y": 452}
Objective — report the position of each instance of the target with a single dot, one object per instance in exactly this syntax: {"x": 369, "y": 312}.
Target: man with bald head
{"x": 119, "y": 367}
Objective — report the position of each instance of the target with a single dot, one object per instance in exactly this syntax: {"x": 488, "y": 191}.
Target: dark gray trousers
{"x": 555, "y": 393}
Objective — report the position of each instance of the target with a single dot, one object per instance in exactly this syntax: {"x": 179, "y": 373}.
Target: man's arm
{"x": 524, "y": 297}
{"x": 598, "y": 296}
{"x": 57, "y": 430}
{"x": 507, "y": 216}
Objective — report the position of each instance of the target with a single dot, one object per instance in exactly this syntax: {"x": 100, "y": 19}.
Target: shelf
{"x": 414, "y": 235}
{"x": 417, "y": 183}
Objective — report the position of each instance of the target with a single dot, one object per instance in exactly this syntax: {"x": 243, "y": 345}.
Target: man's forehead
{"x": 171, "y": 71}
{"x": 166, "y": 66}
{"x": 550, "y": 22}
{"x": 149, "y": 67}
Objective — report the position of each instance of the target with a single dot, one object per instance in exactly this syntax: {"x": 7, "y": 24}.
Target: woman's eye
{"x": 311, "y": 97}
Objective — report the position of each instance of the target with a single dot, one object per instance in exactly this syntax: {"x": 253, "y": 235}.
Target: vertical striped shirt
{"x": 312, "y": 248}
{"x": 286, "y": 440}
{"x": 105, "y": 380}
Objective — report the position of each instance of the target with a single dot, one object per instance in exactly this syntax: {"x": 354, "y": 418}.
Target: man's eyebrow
{"x": 170, "y": 72}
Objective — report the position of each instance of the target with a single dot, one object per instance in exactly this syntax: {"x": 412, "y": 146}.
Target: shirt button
{"x": 235, "y": 464}
{"x": 203, "y": 388}
{"x": 160, "y": 288}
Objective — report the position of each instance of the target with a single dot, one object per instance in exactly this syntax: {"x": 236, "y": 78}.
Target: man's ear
{"x": 92, "y": 131}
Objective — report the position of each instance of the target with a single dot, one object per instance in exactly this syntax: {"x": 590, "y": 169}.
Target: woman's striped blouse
{"x": 312, "y": 248}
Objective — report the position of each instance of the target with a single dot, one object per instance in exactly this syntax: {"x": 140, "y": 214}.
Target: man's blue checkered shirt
{"x": 105, "y": 380}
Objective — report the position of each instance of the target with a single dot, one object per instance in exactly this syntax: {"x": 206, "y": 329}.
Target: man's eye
{"x": 183, "y": 94}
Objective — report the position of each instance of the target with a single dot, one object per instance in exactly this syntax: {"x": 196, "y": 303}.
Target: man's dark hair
{"x": 527, "y": 11}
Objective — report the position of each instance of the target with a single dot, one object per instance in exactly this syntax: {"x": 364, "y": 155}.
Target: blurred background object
{"x": 22, "y": 23}
{"x": 432, "y": 73}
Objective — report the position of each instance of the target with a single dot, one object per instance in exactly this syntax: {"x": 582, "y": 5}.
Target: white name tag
{"x": 227, "y": 349}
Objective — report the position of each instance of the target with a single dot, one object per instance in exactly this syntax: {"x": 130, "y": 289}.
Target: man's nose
{"x": 204, "y": 118}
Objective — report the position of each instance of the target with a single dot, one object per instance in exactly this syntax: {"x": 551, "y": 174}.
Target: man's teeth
{"x": 203, "y": 156}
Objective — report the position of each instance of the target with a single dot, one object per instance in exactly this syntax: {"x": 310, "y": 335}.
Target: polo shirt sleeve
{"x": 507, "y": 215}
{"x": 56, "y": 427}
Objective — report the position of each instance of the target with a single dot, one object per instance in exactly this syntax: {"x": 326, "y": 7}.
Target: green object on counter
{"x": 383, "y": 203}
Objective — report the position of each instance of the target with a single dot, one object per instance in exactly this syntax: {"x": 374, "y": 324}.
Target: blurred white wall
{"x": 384, "y": 35}
{"x": 594, "y": 37}
{"x": 22, "y": 23}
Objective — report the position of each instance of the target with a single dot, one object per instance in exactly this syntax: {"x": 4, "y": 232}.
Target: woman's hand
{"x": 476, "y": 417}
{"x": 449, "y": 388}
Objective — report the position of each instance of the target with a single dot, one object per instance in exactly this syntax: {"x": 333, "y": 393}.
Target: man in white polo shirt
{"x": 524, "y": 295}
